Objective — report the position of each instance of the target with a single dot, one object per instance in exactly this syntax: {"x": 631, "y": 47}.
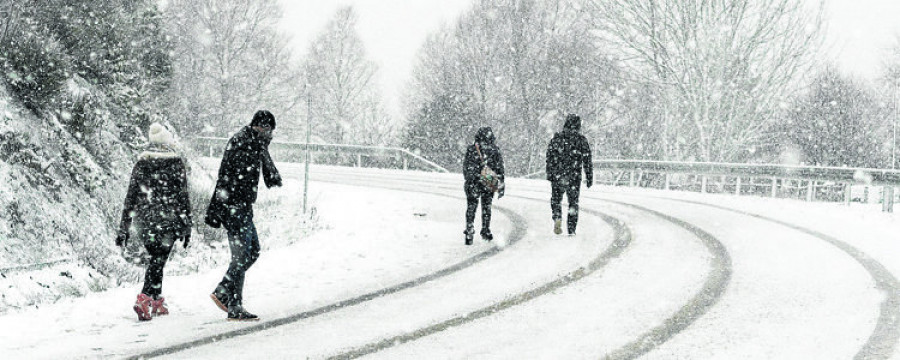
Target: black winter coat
{"x": 238, "y": 184}
{"x": 157, "y": 198}
{"x": 472, "y": 163}
{"x": 568, "y": 154}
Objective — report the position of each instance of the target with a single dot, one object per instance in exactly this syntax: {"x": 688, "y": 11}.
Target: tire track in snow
{"x": 710, "y": 294}
{"x": 621, "y": 240}
{"x": 520, "y": 227}
{"x": 883, "y": 340}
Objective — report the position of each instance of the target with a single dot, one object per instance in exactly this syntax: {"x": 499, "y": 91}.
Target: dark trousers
{"x": 244, "y": 244}
{"x": 571, "y": 188}
{"x": 473, "y": 195}
{"x": 158, "y": 247}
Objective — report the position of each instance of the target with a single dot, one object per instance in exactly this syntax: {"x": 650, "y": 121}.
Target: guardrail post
{"x": 667, "y": 181}
{"x": 887, "y": 199}
{"x": 703, "y": 184}
{"x": 405, "y": 163}
{"x": 358, "y": 160}
{"x": 737, "y": 186}
{"x": 847, "y": 193}
{"x": 631, "y": 179}
{"x": 774, "y": 187}
{"x": 810, "y": 190}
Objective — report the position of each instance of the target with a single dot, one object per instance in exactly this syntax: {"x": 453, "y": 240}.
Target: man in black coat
{"x": 231, "y": 206}
{"x": 567, "y": 155}
{"x": 483, "y": 152}
{"x": 157, "y": 211}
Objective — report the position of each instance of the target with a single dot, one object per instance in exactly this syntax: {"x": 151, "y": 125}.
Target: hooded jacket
{"x": 472, "y": 163}
{"x": 569, "y": 153}
{"x": 157, "y": 200}
{"x": 245, "y": 156}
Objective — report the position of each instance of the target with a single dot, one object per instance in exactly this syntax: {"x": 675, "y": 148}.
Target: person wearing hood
{"x": 480, "y": 184}
{"x": 157, "y": 211}
{"x": 567, "y": 155}
{"x": 231, "y": 206}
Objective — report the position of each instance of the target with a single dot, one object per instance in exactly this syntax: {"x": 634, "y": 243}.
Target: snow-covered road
{"x": 656, "y": 274}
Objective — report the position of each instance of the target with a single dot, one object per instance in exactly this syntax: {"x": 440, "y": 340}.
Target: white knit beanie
{"x": 160, "y": 135}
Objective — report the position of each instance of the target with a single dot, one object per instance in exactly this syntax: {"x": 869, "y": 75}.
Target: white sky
{"x": 859, "y": 32}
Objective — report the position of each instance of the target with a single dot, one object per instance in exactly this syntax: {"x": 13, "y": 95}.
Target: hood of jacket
{"x": 573, "y": 123}
{"x": 485, "y": 136}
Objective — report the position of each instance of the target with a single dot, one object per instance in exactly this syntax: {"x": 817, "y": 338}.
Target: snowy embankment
{"x": 781, "y": 291}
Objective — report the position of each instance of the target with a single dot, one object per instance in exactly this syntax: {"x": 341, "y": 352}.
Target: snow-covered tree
{"x": 346, "y": 106}
{"x": 721, "y": 67}
{"x": 229, "y": 61}
{"x": 839, "y": 122}
{"x": 516, "y": 65}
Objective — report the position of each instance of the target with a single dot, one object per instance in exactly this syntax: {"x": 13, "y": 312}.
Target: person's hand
{"x": 121, "y": 239}
{"x": 186, "y": 240}
{"x": 589, "y": 183}
{"x": 501, "y": 191}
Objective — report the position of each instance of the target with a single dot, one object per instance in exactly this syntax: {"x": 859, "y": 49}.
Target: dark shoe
{"x": 237, "y": 313}
{"x": 557, "y": 226}
{"x": 142, "y": 307}
{"x": 159, "y": 306}
{"x": 486, "y": 234}
{"x": 219, "y": 299}
{"x": 470, "y": 234}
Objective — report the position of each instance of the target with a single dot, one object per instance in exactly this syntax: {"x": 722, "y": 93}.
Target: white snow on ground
{"x": 791, "y": 295}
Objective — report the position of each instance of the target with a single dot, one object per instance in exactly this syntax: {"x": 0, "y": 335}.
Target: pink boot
{"x": 159, "y": 306}
{"x": 142, "y": 307}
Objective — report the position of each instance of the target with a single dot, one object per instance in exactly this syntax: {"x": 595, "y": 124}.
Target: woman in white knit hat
{"x": 157, "y": 211}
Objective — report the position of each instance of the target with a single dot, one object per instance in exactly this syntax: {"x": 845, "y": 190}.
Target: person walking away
{"x": 484, "y": 175}
{"x": 567, "y": 155}
{"x": 157, "y": 211}
{"x": 231, "y": 206}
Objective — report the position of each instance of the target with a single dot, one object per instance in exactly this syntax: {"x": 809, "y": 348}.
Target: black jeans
{"x": 158, "y": 246}
{"x": 244, "y": 244}
{"x": 473, "y": 194}
{"x": 572, "y": 189}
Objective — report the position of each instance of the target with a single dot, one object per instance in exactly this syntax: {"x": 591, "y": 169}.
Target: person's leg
{"x": 471, "y": 206}
{"x": 236, "y": 227}
{"x": 486, "y": 200}
{"x": 572, "y": 193}
{"x": 250, "y": 240}
{"x": 556, "y": 192}
{"x": 153, "y": 274}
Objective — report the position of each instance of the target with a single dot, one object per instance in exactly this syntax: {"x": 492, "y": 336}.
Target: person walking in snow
{"x": 157, "y": 211}
{"x": 567, "y": 155}
{"x": 484, "y": 174}
{"x": 231, "y": 206}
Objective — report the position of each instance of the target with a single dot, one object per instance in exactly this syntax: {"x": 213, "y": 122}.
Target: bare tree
{"x": 722, "y": 66}
{"x": 345, "y": 101}
{"x": 230, "y": 60}
{"x": 516, "y": 65}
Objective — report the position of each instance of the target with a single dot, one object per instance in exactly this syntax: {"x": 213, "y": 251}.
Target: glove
{"x": 121, "y": 239}
{"x": 186, "y": 240}
{"x": 589, "y": 183}
{"x": 501, "y": 191}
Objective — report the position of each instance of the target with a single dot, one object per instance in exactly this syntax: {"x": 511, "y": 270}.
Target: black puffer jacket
{"x": 157, "y": 198}
{"x": 569, "y": 153}
{"x": 245, "y": 155}
{"x": 472, "y": 163}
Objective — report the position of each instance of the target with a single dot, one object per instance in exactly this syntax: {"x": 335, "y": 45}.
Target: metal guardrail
{"x": 775, "y": 174}
{"x": 36, "y": 266}
{"x": 403, "y": 158}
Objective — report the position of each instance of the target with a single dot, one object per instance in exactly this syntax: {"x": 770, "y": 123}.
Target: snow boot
{"x": 237, "y": 313}
{"x": 470, "y": 234}
{"x": 219, "y": 299}
{"x": 557, "y": 226}
{"x": 486, "y": 234}
{"x": 142, "y": 307}
{"x": 159, "y": 306}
